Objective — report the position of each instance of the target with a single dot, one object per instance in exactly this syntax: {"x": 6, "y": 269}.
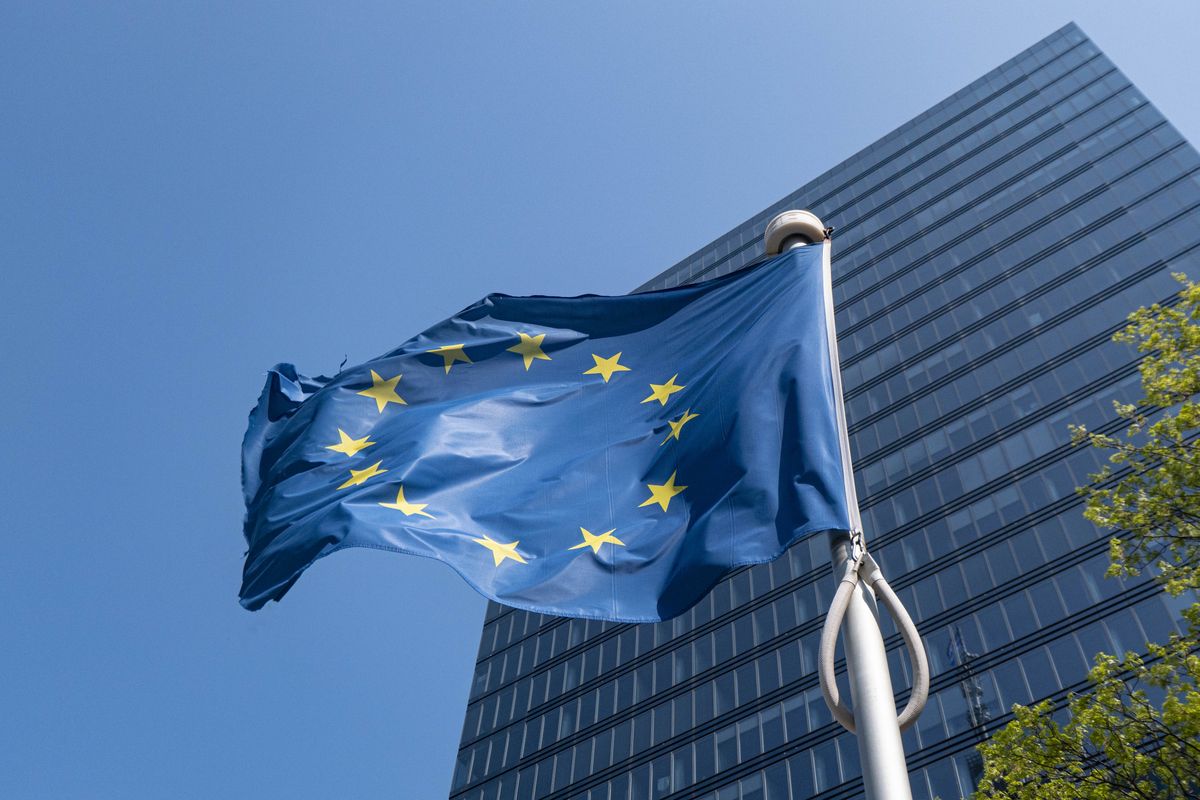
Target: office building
{"x": 984, "y": 254}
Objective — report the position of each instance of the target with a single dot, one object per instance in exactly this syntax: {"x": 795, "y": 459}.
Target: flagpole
{"x": 873, "y": 719}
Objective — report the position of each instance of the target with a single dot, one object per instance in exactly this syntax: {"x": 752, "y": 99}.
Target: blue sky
{"x": 191, "y": 192}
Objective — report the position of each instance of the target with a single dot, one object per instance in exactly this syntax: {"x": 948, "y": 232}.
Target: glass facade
{"x": 984, "y": 254}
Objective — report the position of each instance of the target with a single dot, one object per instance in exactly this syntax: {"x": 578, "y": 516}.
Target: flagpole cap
{"x": 793, "y": 228}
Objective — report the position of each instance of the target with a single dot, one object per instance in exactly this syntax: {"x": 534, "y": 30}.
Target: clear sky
{"x": 191, "y": 192}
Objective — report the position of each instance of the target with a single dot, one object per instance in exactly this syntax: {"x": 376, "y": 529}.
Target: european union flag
{"x": 602, "y": 457}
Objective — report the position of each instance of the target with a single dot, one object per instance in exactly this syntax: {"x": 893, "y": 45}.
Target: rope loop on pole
{"x": 861, "y": 566}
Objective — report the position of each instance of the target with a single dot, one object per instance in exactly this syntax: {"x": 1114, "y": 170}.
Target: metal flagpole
{"x": 873, "y": 718}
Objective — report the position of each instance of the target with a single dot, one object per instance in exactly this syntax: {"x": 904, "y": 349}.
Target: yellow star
{"x": 408, "y": 508}
{"x": 451, "y": 353}
{"x": 383, "y": 392}
{"x": 662, "y": 493}
{"x": 349, "y": 446}
{"x": 501, "y": 551}
{"x": 358, "y": 476}
{"x": 661, "y": 391}
{"x": 529, "y": 348}
{"x": 605, "y": 367}
{"x": 594, "y": 540}
{"x": 677, "y": 426}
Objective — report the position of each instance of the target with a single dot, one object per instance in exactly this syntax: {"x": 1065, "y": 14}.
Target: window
{"x": 726, "y": 748}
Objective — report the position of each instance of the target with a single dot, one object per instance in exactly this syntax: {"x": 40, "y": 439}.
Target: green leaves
{"x": 1158, "y": 502}
{"x": 1136, "y": 733}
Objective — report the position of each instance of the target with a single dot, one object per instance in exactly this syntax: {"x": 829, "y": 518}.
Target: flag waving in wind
{"x": 601, "y": 457}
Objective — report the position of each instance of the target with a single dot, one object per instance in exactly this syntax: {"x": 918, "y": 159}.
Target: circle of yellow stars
{"x": 384, "y": 391}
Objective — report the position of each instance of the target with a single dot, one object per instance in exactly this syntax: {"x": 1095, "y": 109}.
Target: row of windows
{"x": 915, "y": 147}
{"x": 933, "y": 305}
{"x": 860, "y": 332}
{"x": 714, "y": 753}
{"x": 989, "y": 292}
{"x": 1014, "y": 415}
{"x": 944, "y": 410}
{"x": 875, "y": 195}
{"x": 1030, "y": 236}
{"x": 1017, "y": 140}
{"x": 1036, "y": 673}
{"x": 1176, "y": 243}
{"x": 947, "y": 779}
{"x": 1023, "y": 450}
{"x": 993, "y": 363}
{"x": 928, "y": 135}
{"x": 916, "y": 138}
{"x": 896, "y": 517}
{"x": 947, "y": 542}
{"x": 860, "y": 276}
{"x": 993, "y": 186}
{"x": 966, "y": 252}
{"x": 1017, "y": 134}
{"x": 918, "y": 506}
{"x": 997, "y": 567}
{"x": 955, "y": 355}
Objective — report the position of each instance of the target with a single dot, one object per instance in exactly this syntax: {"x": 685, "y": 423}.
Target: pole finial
{"x": 791, "y": 229}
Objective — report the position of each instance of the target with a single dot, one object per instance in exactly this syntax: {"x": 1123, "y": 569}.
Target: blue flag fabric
{"x": 599, "y": 457}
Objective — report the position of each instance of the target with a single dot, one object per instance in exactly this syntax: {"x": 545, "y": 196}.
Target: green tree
{"x": 1136, "y": 732}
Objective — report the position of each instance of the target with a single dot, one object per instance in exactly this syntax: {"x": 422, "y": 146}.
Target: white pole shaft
{"x": 880, "y": 749}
